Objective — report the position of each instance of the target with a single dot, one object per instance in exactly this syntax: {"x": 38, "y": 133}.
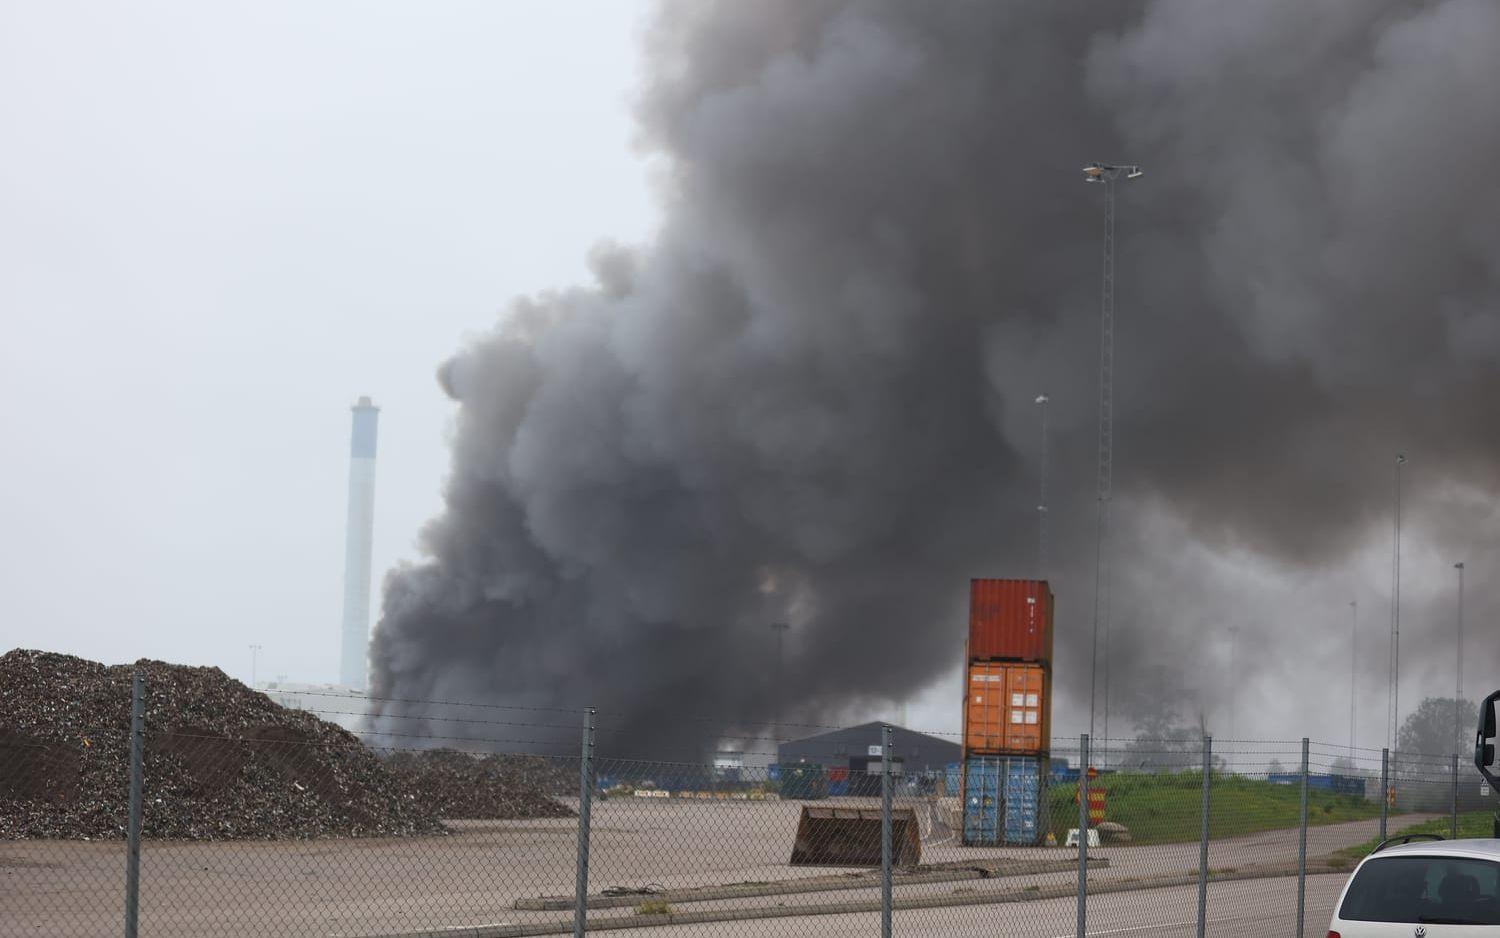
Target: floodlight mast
{"x": 1041, "y": 505}
{"x": 1106, "y": 174}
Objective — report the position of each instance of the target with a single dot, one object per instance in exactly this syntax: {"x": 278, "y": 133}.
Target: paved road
{"x": 1259, "y": 907}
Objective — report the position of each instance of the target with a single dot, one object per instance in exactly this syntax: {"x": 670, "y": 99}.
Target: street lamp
{"x": 780, "y": 628}
{"x": 254, "y": 655}
{"x": 1353, "y": 669}
{"x": 1234, "y": 675}
{"x": 1105, "y": 174}
{"x": 1041, "y": 504}
{"x": 1394, "y": 695}
{"x": 1458, "y": 673}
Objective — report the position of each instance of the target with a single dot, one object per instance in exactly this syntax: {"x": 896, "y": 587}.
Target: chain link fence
{"x": 532, "y": 824}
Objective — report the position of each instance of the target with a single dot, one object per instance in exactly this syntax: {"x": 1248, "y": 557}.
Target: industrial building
{"x": 855, "y": 747}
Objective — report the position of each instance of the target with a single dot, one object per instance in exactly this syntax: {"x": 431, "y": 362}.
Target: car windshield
{"x": 1432, "y": 890}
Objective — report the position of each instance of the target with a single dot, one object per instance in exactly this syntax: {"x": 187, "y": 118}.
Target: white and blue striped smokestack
{"x": 354, "y": 654}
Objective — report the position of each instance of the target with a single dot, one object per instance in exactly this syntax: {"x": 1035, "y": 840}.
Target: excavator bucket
{"x": 828, "y": 836}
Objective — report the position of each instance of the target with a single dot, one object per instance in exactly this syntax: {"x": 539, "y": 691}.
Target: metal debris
{"x": 222, "y": 761}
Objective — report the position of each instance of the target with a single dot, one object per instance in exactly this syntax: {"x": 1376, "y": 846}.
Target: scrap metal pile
{"x": 221, "y": 761}
{"x": 458, "y": 785}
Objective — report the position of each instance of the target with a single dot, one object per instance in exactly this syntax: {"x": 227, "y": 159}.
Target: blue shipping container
{"x": 1023, "y": 800}
{"x": 1003, "y": 799}
{"x": 982, "y": 800}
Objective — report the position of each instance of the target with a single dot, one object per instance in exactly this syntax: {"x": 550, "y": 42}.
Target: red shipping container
{"x": 1010, "y": 620}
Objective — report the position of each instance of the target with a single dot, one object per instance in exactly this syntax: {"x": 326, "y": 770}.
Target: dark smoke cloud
{"x": 810, "y": 400}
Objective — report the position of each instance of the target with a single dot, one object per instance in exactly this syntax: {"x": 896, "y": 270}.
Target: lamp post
{"x": 1353, "y": 668}
{"x": 1458, "y": 672}
{"x": 1234, "y": 675}
{"x": 254, "y": 656}
{"x": 1041, "y": 504}
{"x": 780, "y": 628}
{"x": 1395, "y": 677}
{"x": 1107, "y": 175}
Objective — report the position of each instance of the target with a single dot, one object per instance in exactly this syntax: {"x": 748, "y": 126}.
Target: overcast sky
{"x": 222, "y": 223}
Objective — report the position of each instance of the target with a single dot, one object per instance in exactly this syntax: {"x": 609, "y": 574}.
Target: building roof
{"x": 852, "y": 742}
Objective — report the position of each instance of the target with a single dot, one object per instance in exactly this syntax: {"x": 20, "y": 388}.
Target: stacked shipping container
{"x": 1007, "y": 711}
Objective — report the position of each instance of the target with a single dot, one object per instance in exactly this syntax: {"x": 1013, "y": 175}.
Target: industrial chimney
{"x": 354, "y": 652}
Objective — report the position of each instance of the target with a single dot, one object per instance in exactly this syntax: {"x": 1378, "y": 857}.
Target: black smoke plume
{"x": 809, "y": 400}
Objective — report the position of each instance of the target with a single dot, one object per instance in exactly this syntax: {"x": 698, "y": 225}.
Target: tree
{"x": 1430, "y": 730}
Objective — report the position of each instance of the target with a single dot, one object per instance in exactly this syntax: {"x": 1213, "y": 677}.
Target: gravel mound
{"x": 222, "y": 761}
{"x": 459, "y": 785}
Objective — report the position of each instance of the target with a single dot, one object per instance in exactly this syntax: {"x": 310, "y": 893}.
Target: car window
{"x": 1434, "y": 890}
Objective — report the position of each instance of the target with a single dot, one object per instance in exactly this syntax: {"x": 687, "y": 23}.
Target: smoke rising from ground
{"x": 810, "y": 400}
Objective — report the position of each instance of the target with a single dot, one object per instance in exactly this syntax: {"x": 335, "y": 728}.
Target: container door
{"x": 1025, "y": 708}
{"x": 984, "y": 714}
{"x": 1023, "y": 796}
{"x": 982, "y": 798}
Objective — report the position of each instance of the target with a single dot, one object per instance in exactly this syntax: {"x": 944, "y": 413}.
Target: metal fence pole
{"x": 133, "y": 823}
{"x": 1453, "y": 816}
{"x": 1385, "y": 789}
{"x": 1083, "y": 835}
{"x": 1302, "y": 850}
{"x": 1208, "y": 747}
{"x": 885, "y": 832}
{"x": 585, "y": 801}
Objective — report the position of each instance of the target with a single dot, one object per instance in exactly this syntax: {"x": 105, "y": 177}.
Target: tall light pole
{"x": 1458, "y": 672}
{"x": 1106, "y": 175}
{"x": 1394, "y": 695}
{"x": 780, "y": 628}
{"x": 1234, "y": 674}
{"x": 254, "y": 656}
{"x": 1353, "y": 668}
{"x": 1041, "y": 504}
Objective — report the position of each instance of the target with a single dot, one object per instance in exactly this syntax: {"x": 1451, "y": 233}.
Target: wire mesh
{"x": 466, "y": 821}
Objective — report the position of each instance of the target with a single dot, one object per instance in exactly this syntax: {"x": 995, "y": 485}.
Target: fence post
{"x": 1453, "y": 816}
{"x": 585, "y": 801}
{"x": 1385, "y": 789}
{"x": 1208, "y": 747}
{"x": 133, "y": 822}
{"x": 1302, "y": 850}
{"x": 885, "y": 832}
{"x": 1083, "y": 835}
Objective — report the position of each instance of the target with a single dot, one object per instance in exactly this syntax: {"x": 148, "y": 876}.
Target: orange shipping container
{"x": 1010, "y": 620}
{"x": 1008, "y": 708}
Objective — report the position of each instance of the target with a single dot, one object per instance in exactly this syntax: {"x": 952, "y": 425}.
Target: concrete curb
{"x": 937, "y": 873}
{"x": 1127, "y": 884}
